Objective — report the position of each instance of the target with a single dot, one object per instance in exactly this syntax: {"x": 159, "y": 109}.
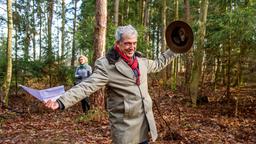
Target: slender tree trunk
{"x": 39, "y": 12}
{"x": 158, "y": 33}
{"x": 63, "y": 17}
{"x": 73, "y": 58}
{"x": 142, "y": 10}
{"x": 174, "y": 74}
{"x": 116, "y": 12}
{"x": 8, "y": 76}
{"x": 146, "y": 24}
{"x": 34, "y": 31}
{"x": 99, "y": 44}
{"x": 223, "y": 65}
{"x": 50, "y": 9}
{"x": 49, "y": 51}
{"x": 16, "y": 53}
{"x": 172, "y": 70}
{"x": 229, "y": 70}
{"x": 239, "y": 65}
{"x": 217, "y": 72}
{"x": 187, "y": 11}
{"x": 127, "y": 9}
{"x": 188, "y": 55}
{"x": 27, "y": 34}
{"x": 198, "y": 58}
{"x": 176, "y": 6}
{"x": 163, "y": 42}
{"x": 146, "y": 13}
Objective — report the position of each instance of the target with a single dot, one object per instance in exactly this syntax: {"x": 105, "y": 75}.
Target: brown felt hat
{"x": 179, "y": 36}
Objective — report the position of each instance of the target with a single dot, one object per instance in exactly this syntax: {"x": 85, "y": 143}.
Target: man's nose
{"x": 132, "y": 46}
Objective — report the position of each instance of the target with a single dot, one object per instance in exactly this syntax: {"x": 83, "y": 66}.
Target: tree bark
{"x": 27, "y": 33}
{"x": 172, "y": 69}
{"x": 198, "y": 53}
{"x": 146, "y": 25}
{"x": 39, "y": 13}
{"x": 8, "y": 76}
{"x": 99, "y": 44}
{"x": 176, "y": 6}
{"x": 73, "y": 58}
{"x": 163, "y": 42}
{"x": 188, "y": 55}
{"x": 34, "y": 31}
{"x": 116, "y": 12}
{"x": 63, "y": 17}
{"x": 49, "y": 50}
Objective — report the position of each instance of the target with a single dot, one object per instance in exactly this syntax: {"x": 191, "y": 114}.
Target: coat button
{"x": 143, "y": 98}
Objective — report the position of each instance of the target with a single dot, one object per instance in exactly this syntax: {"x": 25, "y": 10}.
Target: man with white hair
{"x": 124, "y": 72}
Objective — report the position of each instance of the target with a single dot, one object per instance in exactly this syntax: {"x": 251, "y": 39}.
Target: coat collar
{"x": 124, "y": 69}
{"x": 114, "y": 58}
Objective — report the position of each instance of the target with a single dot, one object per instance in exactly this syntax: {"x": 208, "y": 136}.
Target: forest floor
{"x": 177, "y": 121}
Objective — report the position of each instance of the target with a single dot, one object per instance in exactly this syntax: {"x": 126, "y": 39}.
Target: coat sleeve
{"x": 89, "y": 71}
{"x": 160, "y": 63}
{"x": 76, "y": 73}
{"x": 97, "y": 80}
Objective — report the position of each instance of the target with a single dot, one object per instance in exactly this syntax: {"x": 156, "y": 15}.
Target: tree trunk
{"x": 223, "y": 66}
{"x": 49, "y": 50}
{"x": 33, "y": 31}
{"x": 16, "y": 53}
{"x": 27, "y": 34}
{"x": 240, "y": 65}
{"x": 188, "y": 55}
{"x": 172, "y": 70}
{"x": 217, "y": 72}
{"x": 63, "y": 17}
{"x": 142, "y": 10}
{"x": 116, "y": 12}
{"x": 176, "y": 6}
{"x": 8, "y": 76}
{"x": 163, "y": 42}
{"x": 198, "y": 53}
{"x": 50, "y": 9}
{"x": 73, "y": 58}
{"x": 127, "y": 9}
{"x": 187, "y": 11}
{"x": 229, "y": 70}
{"x": 146, "y": 24}
{"x": 174, "y": 73}
{"x": 99, "y": 44}
{"x": 39, "y": 13}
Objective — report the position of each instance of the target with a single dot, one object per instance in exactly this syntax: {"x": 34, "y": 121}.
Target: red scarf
{"x": 132, "y": 62}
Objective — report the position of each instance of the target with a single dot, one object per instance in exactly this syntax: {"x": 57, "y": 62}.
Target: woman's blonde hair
{"x": 84, "y": 57}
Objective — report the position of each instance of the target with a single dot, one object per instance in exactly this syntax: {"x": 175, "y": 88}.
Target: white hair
{"x": 127, "y": 30}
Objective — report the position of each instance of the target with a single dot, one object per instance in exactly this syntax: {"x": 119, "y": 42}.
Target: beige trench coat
{"x": 129, "y": 105}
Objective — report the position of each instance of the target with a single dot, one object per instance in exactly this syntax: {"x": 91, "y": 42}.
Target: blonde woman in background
{"x": 83, "y": 71}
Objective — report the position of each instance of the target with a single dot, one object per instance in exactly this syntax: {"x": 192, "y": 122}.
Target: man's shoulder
{"x": 102, "y": 60}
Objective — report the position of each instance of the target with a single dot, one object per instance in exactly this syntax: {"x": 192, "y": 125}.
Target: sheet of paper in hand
{"x": 45, "y": 94}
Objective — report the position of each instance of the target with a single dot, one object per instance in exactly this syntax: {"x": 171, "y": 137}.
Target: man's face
{"x": 128, "y": 45}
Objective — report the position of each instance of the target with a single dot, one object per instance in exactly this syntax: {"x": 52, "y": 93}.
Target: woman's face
{"x": 82, "y": 60}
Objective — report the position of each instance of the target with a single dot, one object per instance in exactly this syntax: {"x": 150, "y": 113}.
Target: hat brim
{"x": 179, "y": 37}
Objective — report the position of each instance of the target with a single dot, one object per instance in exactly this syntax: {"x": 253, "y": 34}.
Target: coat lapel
{"x": 124, "y": 69}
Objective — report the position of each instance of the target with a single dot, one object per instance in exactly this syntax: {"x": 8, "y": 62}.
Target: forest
{"x": 207, "y": 95}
